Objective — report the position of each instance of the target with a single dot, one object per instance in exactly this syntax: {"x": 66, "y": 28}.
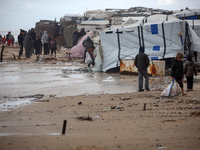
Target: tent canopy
{"x": 161, "y": 40}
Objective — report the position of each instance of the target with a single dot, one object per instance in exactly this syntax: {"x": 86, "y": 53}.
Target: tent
{"x": 78, "y": 50}
{"x": 161, "y": 40}
{"x": 192, "y": 16}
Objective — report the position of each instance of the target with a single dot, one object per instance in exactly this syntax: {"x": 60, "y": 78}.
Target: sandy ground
{"x": 165, "y": 123}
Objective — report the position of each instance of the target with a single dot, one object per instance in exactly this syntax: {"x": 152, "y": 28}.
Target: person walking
{"x": 21, "y": 43}
{"x": 87, "y": 43}
{"x": 53, "y": 46}
{"x": 142, "y": 63}
{"x": 177, "y": 71}
{"x": 189, "y": 71}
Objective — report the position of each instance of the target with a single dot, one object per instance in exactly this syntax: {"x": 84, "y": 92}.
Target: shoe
{"x": 147, "y": 89}
{"x": 140, "y": 90}
{"x": 188, "y": 90}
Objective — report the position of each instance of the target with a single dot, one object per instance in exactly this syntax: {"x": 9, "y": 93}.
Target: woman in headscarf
{"x": 29, "y": 45}
{"x": 45, "y": 41}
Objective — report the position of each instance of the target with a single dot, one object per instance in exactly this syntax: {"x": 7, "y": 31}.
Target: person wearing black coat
{"x": 38, "y": 46}
{"x": 142, "y": 63}
{"x": 177, "y": 71}
{"x": 21, "y": 43}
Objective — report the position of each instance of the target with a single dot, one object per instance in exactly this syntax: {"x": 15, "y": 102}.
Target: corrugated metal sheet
{"x": 156, "y": 67}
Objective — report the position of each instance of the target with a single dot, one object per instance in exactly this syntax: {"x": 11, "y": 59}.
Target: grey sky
{"x": 16, "y": 14}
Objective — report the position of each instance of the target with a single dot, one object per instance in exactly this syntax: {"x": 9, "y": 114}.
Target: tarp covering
{"x": 78, "y": 50}
{"x": 195, "y": 25}
{"x": 161, "y": 40}
{"x": 188, "y": 14}
{"x": 98, "y": 14}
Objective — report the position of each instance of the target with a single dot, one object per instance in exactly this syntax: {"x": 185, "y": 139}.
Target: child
{"x": 38, "y": 46}
{"x": 177, "y": 71}
{"x": 53, "y": 46}
{"x": 190, "y": 70}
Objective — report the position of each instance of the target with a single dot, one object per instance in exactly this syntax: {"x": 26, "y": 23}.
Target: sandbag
{"x": 88, "y": 58}
{"x": 171, "y": 90}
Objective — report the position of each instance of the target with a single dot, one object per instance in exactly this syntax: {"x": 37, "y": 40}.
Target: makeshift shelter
{"x": 161, "y": 40}
{"x": 78, "y": 50}
{"x": 192, "y": 16}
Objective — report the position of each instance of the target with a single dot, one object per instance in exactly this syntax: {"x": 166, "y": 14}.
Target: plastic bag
{"x": 171, "y": 90}
{"x": 88, "y": 58}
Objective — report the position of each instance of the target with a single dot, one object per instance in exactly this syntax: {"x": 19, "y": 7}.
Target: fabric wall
{"x": 160, "y": 41}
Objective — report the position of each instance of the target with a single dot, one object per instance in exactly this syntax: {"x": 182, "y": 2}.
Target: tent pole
{"x": 119, "y": 46}
{"x": 164, "y": 40}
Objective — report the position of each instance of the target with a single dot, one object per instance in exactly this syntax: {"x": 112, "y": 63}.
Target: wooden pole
{"x": 64, "y": 127}
{"x": 145, "y": 106}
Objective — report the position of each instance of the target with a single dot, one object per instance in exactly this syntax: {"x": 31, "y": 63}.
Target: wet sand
{"x": 165, "y": 123}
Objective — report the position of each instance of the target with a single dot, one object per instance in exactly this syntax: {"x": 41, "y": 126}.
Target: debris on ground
{"x": 88, "y": 118}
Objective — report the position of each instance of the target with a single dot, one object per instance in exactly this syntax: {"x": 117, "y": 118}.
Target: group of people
{"x": 9, "y": 38}
{"x": 178, "y": 70}
{"x": 32, "y": 42}
{"x": 77, "y": 35}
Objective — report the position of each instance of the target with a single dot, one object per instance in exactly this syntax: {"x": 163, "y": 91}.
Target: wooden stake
{"x": 64, "y": 127}
{"x": 2, "y": 53}
{"x": 145, "y": 106}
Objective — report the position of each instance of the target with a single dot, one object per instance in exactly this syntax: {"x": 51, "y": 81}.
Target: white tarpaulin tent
{"x": 161, "y": 40}
{"x": 192, "y": 16}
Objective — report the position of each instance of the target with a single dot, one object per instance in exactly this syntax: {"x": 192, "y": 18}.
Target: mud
{"x": 19, "y": 80}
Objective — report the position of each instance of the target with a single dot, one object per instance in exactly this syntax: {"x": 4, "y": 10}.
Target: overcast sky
{"x": 16, "y": 14}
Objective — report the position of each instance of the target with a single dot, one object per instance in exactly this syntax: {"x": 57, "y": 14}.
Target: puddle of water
{"x": 28, "y": 134}
{"x": 61, "y": 79}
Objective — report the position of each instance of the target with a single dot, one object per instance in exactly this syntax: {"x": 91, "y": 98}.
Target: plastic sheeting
{"x": 98, "y": 14}
{"x": 125, "y": 44}
{"x": 78, "y": 50}
{"x": 187, "y": 13}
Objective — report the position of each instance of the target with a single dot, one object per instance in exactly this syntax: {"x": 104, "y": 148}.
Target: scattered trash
{"x": 160, "y": 148}
{"x": 42, "y": 100}
{"x": 97, "y": 117}
{"x": 52, "y": 95}
{"x": 171, "y": 90}
{"x": 88, "y": 118}
{"x": 109, "y": 79}
{"x": 168, "y": 121}
{"x": 107, "y": 109}
{"x": 122, "y": 98}
{"x": 197, "y": 114}
{"x": 80, "y": 103}
{"x": 118, "y": 107}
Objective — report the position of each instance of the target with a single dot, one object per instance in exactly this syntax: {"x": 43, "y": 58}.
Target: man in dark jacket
{"x": 87, "y": 43}
{"x": 21, "y": 43}
{"x": 142, "y": 63}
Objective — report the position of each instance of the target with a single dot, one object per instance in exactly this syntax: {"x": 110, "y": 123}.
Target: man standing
{"x": 9, "y": 38}
{"x": 142, "y": 63}
{"x": 21, "y": 42}
{"x": 87, "y": 43}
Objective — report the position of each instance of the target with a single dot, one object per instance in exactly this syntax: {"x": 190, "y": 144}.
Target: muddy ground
{"x": 96, "y": 119}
